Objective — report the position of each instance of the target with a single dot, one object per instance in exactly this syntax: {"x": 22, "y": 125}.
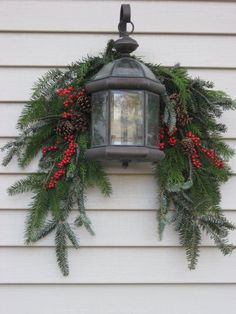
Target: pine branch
{"x": 189, "y": 235}
{"x": 83, "y": 219}
{"x": 46, "y": 230}
{"x": 35, "y": 143}
{"x": 162, "y": 213}
{"x": 96, "y": 176}
{"x": 31, "y": 183}
{"x": 61, "y": 249}
{"x": 38, "y": 213}
{"x": 71, "y": 235}
{"x": 46, "y": 85}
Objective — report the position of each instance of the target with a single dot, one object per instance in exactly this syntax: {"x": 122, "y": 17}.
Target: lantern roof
{"x": 125, "y": 67}
{"x": 125, "y": 73}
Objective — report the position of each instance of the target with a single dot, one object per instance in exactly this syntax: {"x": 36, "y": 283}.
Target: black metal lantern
{"x": 125, "y": 105}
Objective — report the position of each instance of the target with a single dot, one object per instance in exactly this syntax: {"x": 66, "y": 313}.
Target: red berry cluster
{"x": 209, "y": 153}
{"x": 67, "y": 114}
{"x": 47, "y": 149}
{"x": 195, "y": 139}
{"x": 195, "y": 159}
{"x": 72, "y": 96}
{"x": 53, "y": 180}
{"x": 162, "y": 146}
{"x": 170, "y": 135}
{"x": 172, "y": 141}
{"x": 68, "y": 153}
{"x": 65, "y": 91}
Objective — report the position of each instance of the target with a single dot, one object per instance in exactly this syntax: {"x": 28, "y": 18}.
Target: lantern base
{"x": 125, "y": 153}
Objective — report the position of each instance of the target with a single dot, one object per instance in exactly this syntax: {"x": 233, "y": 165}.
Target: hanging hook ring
{"x": 124, "y": 32}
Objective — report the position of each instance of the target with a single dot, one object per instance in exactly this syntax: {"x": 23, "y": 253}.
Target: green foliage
{"x": 176, "y": 80}
{"x": 39, "y": 209}
{"x": 195, "y": 193}
{"x": 189, "y": 197}
{"x": 47, "y": 228}
{"x": 97, "y": 176}
{"x": 62, "y": 249}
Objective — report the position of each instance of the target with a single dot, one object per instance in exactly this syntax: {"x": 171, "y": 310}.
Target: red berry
{"x": 172, "y": 141}
{"x": 162, "y": 146}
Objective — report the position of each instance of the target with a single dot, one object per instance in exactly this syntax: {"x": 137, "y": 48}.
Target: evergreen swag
{"x": 56, "y": 121}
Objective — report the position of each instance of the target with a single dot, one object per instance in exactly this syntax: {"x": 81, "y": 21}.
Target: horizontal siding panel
{"x": 61, "y": 49}
{"x": 16, "y": 83}
{"x": 147, "y": 16}
{"x": 115, "y": 265}
{"x": 228, "y": 118}
{"x": 118, "y": 228}
{"x": 119, "y": 299}
{"x": 111, "y": 167}
{"x": 129, "y": 192}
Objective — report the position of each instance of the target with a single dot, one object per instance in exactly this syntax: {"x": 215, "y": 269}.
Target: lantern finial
{"x": 125, "y": 45}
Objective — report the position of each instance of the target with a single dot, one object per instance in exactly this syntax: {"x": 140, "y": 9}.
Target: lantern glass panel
{"x": 99, "y": 118}
{"x": 127, "y": 112}
{"x": 152, "y": 119}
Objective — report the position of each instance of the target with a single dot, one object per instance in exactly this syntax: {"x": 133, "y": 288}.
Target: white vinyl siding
{"x": 125, "y": 268}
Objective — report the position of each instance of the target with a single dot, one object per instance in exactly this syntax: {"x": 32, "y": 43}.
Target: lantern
{"x": 125, "y": 105}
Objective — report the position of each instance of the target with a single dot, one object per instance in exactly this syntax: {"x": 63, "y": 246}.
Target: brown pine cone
{"x": 187, "y": 145}
{"x": 64, "y": 128}
{"x": 81, "y": 122}
{"x": 175, "y": 97}
{"x": 84, "y": 103}
{"x": 181, "y": 117}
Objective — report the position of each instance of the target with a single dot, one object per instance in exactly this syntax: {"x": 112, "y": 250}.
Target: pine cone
{"x": 181, "y": 117}
{"x": 84, "y": 103}
{"x": 187, "y": 145}
{"x": 81, "y": 122}
{"x": 64, "y": 128}
{"x": 175, "y": 97}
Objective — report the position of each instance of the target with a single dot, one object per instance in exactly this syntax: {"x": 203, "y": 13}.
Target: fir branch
{"x": 217, "y": 228}
{"x": 61, "y": 249}
{"x": 189, "y": 233}
{"x": 39, "y": 209}
{"x": 32, "y": 183}
{"x": 35, "y": 143}
{"x": 46, "y": 230}
{"x": 46, "y": 85}
{"x": 96, "y": 176}
{"x": 162, "y": 213}
{"x": 12, "y": 150}
{"x": 82, "y": 219}
{"x": 71, "y": 235}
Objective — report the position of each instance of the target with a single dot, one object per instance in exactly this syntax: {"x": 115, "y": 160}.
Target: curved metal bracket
{"x": 125, "y": 45}
{"x": 125, "y": 16}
